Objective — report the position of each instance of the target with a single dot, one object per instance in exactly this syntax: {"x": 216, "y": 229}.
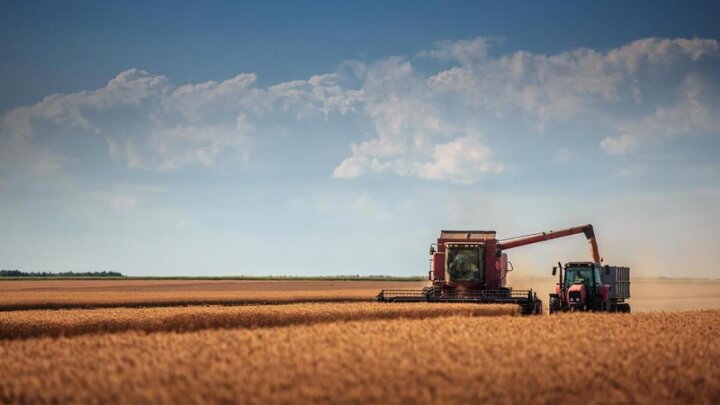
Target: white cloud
{"x": 426, "y": 124}
{"x": 461, "y": 161}
{"x": 568, "y": 84}
{"x": 619, "y": 145}
{"x": 466, "y": 51}
{"x": 694, "y": 110}
{"x": 172, "y": 148}
{"x": 149, "y": 123}
{"x": 323, "y": 93}
{"x": 418, "y": 117}
{"x": 196, "y": 103}
{"x": 414, "y": 136}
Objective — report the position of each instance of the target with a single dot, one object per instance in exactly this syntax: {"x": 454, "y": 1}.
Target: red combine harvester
{"x": 471, "y": 266}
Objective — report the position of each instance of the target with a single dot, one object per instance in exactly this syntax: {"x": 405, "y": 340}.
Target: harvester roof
{"x": 467, "y": 235}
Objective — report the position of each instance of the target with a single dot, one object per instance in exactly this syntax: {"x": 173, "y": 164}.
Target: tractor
{"x": 588, "y": 286}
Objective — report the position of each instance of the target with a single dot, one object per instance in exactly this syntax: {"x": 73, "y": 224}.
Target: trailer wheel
{"x": 624, "y": 308}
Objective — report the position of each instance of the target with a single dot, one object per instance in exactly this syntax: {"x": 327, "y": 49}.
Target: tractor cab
{"x": 584, "y": 273}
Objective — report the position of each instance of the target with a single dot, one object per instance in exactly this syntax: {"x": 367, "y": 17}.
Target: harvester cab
{"x": 588, "y": 286}
{"x": 464, "y": 262}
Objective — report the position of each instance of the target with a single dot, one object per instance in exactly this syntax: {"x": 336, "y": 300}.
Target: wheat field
{"x": 648, "y": 294}
{"x": 27, "y": 324}
{"x": 584, "y": 358}
{"x": 152, "y": 342}
{"x": 67, "y": 294}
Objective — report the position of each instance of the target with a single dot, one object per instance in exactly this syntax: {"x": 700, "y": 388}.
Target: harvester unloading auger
{"x": 471, "y": 266}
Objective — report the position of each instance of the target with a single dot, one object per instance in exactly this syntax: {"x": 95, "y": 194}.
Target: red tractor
{"x": 587, "y": 286}
{"x": 471, "y": 266}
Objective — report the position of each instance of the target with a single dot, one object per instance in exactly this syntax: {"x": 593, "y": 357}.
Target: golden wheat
{"x": 583, "y": 358}
{"x": 25, "y": 324}
{"x": 648, "y": 294}
{"x": 59, "y": 294}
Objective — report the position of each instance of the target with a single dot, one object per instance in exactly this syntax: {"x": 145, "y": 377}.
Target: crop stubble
{"x": 646, "y": 358}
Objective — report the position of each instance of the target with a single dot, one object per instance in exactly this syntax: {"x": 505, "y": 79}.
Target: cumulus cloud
{"x": 465, "y": 51}
{"x": 569, "y": 84}
{"x": 413, "y": 133}
{"x": 460, "y": 160}
{"x": 427, "y": 125}
{"x": 149, "y": 123}
{"x": 438, "y": 124}
{"x": 694, "y": 109}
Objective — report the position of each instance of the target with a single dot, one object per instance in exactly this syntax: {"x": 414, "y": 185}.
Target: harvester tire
{"x": 624, "y": 308}
{"x": 553, "y": 304}
{"x": 538, "y": 307}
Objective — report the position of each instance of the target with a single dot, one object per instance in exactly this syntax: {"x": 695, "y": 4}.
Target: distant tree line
{"x": 18, "y": 273}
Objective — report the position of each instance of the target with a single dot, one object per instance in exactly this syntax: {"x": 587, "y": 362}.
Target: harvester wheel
{"x": 538, "y": 307}
{"x": 553, "y": 304}
{"x": 624, "y": 308}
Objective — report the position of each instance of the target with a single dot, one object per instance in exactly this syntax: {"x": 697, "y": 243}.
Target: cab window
{"x": 579, "y": 275}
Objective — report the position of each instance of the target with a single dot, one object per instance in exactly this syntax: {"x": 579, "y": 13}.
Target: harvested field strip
{"x": 59, "y": 294}
{"x": 611, "y": 358}
{"x": 145, "y": 301}
{"x": 28, "y": 324}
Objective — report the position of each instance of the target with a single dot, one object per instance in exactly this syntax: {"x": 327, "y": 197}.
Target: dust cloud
{"x": 647, "y": 294}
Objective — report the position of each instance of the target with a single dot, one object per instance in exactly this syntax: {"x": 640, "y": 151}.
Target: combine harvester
{"x": 471, "y": 266}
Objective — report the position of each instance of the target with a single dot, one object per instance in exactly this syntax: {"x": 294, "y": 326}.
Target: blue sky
{"x": 169, "y": 138}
